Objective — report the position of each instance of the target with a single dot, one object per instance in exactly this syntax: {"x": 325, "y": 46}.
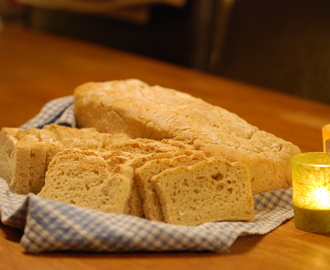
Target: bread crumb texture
{"x": 84, "y": 178}
{"x": 210, "y": 190}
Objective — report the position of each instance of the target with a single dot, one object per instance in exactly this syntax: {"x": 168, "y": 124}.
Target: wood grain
{"x": 36, "y": 67}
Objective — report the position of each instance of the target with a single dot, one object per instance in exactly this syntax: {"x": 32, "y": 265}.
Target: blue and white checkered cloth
{"x": 58, "y": 111}
{"x": 53, "y": 226}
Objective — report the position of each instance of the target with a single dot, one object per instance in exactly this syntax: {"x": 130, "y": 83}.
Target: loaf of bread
{"x": 154, "y": 112}
{"x": 26, "y": 153}
{"x": 210, "y": 190}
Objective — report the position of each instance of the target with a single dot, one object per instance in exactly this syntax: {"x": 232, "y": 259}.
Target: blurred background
{"x": 279, "y": 44}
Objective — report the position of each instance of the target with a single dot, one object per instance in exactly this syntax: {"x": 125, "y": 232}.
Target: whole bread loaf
{"x": 142, "y": 111}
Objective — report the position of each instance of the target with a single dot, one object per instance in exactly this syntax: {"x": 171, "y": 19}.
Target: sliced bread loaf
{"x": 161, "y": 113}
{"x": 26, "y": 153}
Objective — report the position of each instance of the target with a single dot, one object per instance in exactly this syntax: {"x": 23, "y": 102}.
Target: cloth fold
{"x": 54, "y": 226}
{"x": 58, "y": 111}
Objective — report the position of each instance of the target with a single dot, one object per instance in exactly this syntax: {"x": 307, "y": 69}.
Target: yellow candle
{"x": 326, "y": 137}
{"x": 311, "y": 191}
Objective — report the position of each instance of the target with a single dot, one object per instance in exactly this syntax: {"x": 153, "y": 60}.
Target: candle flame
{"x": 320, "y": 198}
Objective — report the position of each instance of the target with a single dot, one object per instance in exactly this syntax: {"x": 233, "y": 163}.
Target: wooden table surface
{"x": 37, "y": 67}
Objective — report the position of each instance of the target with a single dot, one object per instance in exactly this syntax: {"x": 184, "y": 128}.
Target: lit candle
{"x": 311, "y": 191}
{"x": 326, "y": 138}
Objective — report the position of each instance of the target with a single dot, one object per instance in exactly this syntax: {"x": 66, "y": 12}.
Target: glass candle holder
{"x": 326, "y": 138}
{"x": 311, "y": 191}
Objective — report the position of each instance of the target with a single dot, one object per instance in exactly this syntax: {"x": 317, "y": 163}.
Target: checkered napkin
{"x": 52, "y": 226}
{"x": 58, "y": 111}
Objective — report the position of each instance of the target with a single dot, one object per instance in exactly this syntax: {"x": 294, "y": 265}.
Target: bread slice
{"x": 151, "y": 204}
{"x": 135, "y": 201}
{"x": 209, "y": 191}
{"x": 161, "y": 113}
{"x": 8, "y": 144}
{"x": 26, "y": 153}
{"x": 21, "y": 176}
{"x": 38, "y": 167}
{"x": 22, "y": 160}
{"x": 84, "y": 178}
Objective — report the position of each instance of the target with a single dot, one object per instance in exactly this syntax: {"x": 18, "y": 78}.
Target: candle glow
{"x": 311, "y": 191}
{"x": 317, "y": 199}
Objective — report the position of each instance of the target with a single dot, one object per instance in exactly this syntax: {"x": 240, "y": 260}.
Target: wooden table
{"x": 37, "y": 67}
